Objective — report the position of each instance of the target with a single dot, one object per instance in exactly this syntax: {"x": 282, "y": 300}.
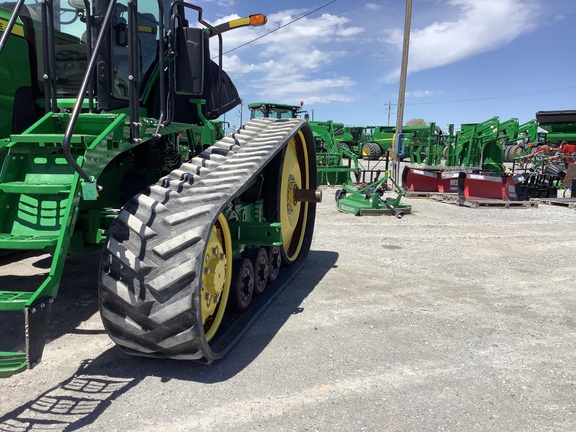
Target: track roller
{"x": 261, "y": 264}
{"x": 275, "y": 261}
{"x": 242, "y": 287}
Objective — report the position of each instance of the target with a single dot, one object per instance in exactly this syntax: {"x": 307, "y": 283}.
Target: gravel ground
{"x": 452, "y": 319}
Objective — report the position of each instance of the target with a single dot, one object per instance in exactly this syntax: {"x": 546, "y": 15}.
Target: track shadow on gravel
{"x": 79, "y": 400}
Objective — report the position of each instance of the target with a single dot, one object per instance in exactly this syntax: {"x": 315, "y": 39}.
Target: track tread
{"x": 152, "y": 261}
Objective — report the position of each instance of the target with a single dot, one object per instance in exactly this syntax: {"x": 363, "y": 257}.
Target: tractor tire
{"x": 371, "y": 151}
{"x": 515, "y": 151}
{"x": 507, "y": 154}
{"x": 340, "y": 193}
{"x": 344, "y": 145}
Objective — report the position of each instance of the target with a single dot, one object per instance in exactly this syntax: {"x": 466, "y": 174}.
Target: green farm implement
{"x": 330, "y": 157}
{"x": 476, "y": 156}
{"x": 109, "y": 145}
{"x": 369, "y": 200}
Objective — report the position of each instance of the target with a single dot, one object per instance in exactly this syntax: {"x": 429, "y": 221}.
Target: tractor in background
{"x": 329, "y": 156}
{"x": 275, "y": 110}
{"x": 107, "y": 108}
{"x": 352, "y": 137}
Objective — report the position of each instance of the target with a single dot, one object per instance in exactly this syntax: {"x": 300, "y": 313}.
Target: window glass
{"x": 147, "y": 45}
{"x": 70, "y": 46}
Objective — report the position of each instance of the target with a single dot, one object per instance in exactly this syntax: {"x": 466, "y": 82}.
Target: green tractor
{"x": 103, "y": 101}
{"x": 359, "y": 140}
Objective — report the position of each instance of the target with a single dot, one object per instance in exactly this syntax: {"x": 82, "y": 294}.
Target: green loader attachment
{"x": 336, "y": 165}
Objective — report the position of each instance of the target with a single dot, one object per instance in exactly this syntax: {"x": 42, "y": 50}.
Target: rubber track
{"x": 152, "y": 261}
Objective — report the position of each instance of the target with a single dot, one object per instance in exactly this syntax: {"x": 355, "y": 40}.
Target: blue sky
{"x": 469, "y": 60}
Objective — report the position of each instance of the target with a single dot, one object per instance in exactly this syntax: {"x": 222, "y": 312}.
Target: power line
{"x": 282, "y": 26}
{"x": 496, "y": 97}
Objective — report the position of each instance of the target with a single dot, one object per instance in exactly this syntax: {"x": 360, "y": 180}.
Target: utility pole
{"x": 389, "y": 111}
{"x": 241, "y": 109}
{"x": 402, "y": 87}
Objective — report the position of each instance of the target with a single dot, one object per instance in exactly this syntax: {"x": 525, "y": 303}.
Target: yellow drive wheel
{"x": 293, "y": 214}
{"x": 216, "y": 277}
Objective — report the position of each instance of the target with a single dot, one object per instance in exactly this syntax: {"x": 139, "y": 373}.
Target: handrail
{"x": 89, "y": 53}
{"x": 78, "y": 106}
{"x": 161, "y": 54}
{"x": 133, "y": 72}
{"x": 11, "y": 23}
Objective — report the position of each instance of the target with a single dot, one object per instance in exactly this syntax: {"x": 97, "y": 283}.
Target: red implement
{"x": 488, "y": 185}
{"x": 420, "y": 180}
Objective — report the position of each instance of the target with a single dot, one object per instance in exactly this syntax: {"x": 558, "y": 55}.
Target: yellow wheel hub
{"x": 216, "y": 276}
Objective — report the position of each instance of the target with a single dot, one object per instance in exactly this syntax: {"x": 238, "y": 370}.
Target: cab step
{"x": 23, "y": 187}
{"x": 36, "y": 322}
{"x": 14, "y": 300}
{"x": 27, "y": 242}
{"x": 12, "y": 363}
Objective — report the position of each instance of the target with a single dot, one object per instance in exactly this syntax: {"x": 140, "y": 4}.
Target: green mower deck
{"x": 369, "y": 200}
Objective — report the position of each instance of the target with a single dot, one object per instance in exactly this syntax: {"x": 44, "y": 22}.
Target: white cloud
{"x": 481, "y": 26}
{"x": 321, "y": 90}
{"x": 290, "y": 63}
{"x": 372, "y": 6}
{"x": 222, "y": 3}
{"x": 419, "y": 93}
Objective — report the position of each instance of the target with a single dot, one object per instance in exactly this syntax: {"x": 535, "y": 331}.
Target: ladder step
{"x": 27, "y": 242}
{"x": 12, "y": 363}
{"x": 14, "y": 300}
{"x": 21, "y": 187}
{"x": 52, "y": 138}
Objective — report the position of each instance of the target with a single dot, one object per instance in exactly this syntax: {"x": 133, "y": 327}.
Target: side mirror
{"x": 189, "y": 62}
{"x": 399, "y": 143}
{"x": 77, "y": 4}
{"x": 121, "y": 34}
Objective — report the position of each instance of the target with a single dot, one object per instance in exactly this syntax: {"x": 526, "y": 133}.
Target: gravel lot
{"x": 451, "y": 319}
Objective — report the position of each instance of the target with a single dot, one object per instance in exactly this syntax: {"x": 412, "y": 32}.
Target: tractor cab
{"x": 61, "y": 39}
{"x": 274, "y": 110}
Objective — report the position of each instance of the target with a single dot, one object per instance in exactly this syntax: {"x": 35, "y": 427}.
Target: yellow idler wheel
{"x": 293, "y": 214}
{"x": 216, "y": 277}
